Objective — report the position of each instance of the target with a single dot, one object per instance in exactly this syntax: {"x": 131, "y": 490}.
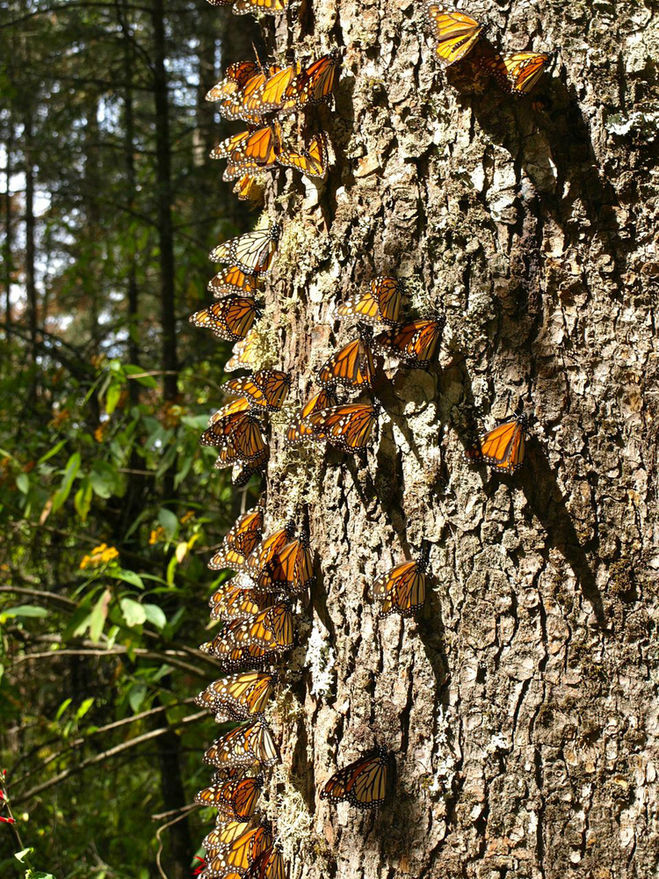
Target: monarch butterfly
{"x": 269, "y": 95}
{"x": 239, "y": 438}
{"x": 349, "y": 427}
{"x": 229, "y": 318}
{"x": 252, "y": 253}
{"x": 315, "y": 84}
{"x": 249, "y": 148}
{"x": 234, "y": 799}
{"x": 519, "y": 73}
{"x": 224, "y": 422}
{"x": 266, "y": 389}
{"x": 291, "y": 568}
{"x": 233, "y": 280}
{"x": 296, "y": 431}
{"x": 232, "y": 859}
{"x": 245, "y": 353}
{"x": 363, "y": 783}
{"x": 242, "y": 747}
{"x": 240, "y": 541}
{"x": 225, "y": 834}
{"x": 456, "y": 33}
{"x": 235, "y": 106}
{"x": 268, "y": 549}
{"x": 231, "y": 658}
{"x": 404, "y": 587}
{"x": 250, "y": 187}
{"x": 236, "y": 76}
{"x": 243, "y": 473}
{"x": 243, "y": 695}
{"x": 311, "y": 161}
{"x": 352, "y": 366}
{"x": 380, "y": 304}
{"x": 268, "y": 865}
{"x": 416, "y": 343}
{"x": 231, "y": 602}
{"x": 503, "y": 447}
{"x": 271, "y": 629}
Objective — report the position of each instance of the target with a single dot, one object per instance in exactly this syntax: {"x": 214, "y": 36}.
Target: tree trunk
{"x": 8, "y": 245}
{"x": 164, "y": 199}
{"x": 30, "y": 233}
{"x": 518, "y": 704}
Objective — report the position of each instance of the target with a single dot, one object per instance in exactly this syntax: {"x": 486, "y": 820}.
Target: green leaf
{"x": 104, "y": 479}
{"x": 183, "y": 471}
{"x": 167, "y": 459}
{"x": 127, "y": 576}
{"x": 70, "y": 473}
{"x": 148, "y": 381}
{"x": 136, "y": 695}
{"x": 84, "y": 708}
{"x": 99, "y": 615}
{"x": 133, "y": 612}
{"x": 155, "y": 615}
{"x": 83, "y": 499}
{"x": 112, "y": 398}
{"x": 23, "y": 482}
{"x": 168, "y": 521}
{"x": 55, "y": 449}
{"x": 65, "y": 704}
{"x": 23, "y": 610}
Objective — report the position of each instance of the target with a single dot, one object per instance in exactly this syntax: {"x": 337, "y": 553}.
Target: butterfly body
{"x": 352, "y": 366}
{"x": 455, "y": 33}
{"x": 229, "y": 318}
{"x": 416, "y": 343}
{"x": 363, "y": 783}
{"x": 502, "y": 448}
{"x": 380, "y": 304}
{"x": 240, "y": 541}
{"x": 252, "y": 253}
{"x": 243, "y": 746}
{"x": 242, "y": 696}
{"x": 348, "y": 427}
{"x": 324, "y": 399}
{"x": 403, "y": 589}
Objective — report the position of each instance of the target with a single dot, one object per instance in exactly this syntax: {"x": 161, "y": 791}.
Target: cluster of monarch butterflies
{"x": 456, "y": 35}
{"x": 274, "y": 570}
{"x": 255, "y": 608}
{"x": 260, "y": 96}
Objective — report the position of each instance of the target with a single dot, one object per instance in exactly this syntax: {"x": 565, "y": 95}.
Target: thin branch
{"x": 167, "y": 656}
{"x": 77, "y": 743}
{"x": 107, "y": 755}
{"x": 159, "y": 831}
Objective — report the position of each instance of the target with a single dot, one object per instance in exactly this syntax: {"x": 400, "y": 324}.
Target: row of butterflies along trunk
{"x": 274, "y": 570}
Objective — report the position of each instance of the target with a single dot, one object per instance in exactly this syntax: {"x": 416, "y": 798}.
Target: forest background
{"x": 109, "y": 208}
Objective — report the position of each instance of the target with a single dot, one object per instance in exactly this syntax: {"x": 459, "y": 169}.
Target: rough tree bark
{"x": 519, "y": 705}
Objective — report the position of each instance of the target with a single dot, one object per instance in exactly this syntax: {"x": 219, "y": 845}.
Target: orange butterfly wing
{"x": 455, "y": 33}
{"x": 362, "y": 783}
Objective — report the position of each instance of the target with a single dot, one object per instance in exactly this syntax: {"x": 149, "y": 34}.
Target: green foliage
{"x": 109, "y": 505}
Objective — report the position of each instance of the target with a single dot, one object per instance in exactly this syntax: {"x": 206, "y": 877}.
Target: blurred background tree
{"x": 107, "y": 502}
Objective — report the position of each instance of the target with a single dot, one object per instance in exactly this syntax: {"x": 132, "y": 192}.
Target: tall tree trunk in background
{"x": 180, "y": 849}
{"x": 30, "y": 232}
{"x": 90, "y": 273}
{"x": 518, "y": 704}
{"x": 164, "y": 198}
{"x": 204, "y": 136}
{"x": 7, "y": 248}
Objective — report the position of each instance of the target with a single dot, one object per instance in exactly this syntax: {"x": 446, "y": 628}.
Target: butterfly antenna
{"x": 258, "y": 60}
